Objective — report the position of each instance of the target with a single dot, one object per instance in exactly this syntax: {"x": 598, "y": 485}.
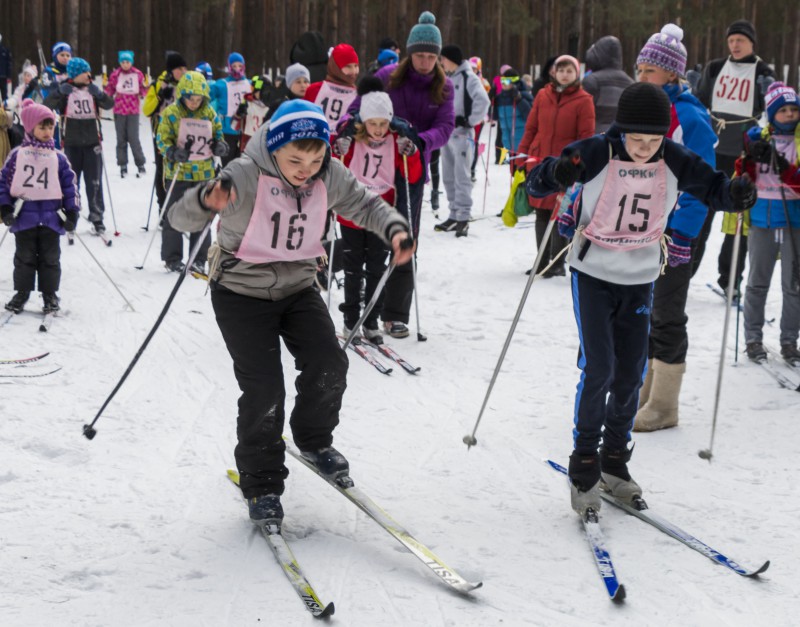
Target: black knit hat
{"x": 453, "y": 53}
{"x": 174, "y": 60}
{"x": 743, "y": 27}
{"x": 644, "y": 108}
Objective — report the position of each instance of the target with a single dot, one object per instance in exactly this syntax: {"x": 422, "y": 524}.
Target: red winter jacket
{"x": 555, "y": 121}
{"x": 414, "y": 173}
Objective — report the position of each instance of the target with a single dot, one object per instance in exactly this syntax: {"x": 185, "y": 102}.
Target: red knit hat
{"x": 344, "y": 54}
{"x": 32, "y": 113}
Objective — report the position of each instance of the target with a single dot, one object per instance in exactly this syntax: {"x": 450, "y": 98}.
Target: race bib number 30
{"x": 80, "y": 105}
{"x": 36, "y": 175}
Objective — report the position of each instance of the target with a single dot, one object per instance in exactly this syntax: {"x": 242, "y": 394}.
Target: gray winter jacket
{"x": 465, "y": 77}
{"x": 277, "y": 280}
{"x": 606, "y": 81}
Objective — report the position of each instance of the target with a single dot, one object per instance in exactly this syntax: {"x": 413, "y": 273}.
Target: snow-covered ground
{"x": 141, "y": 526}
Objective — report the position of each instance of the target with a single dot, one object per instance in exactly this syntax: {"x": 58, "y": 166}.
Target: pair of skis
{"x": 345, "y": 486}
{"x": 787, "y": 375}
{"x": 45, "y": 321}
{"x": 594, "y": 534}
{"x": 26, "y": 368}
{"x": 359, "y": 346}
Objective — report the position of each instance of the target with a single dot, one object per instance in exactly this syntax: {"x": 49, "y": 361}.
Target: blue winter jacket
{"x": 513, "y": 115}
{"x": 691, "y": 128}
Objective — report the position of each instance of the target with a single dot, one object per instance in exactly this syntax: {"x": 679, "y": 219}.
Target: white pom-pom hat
{"x": 665, "y": 50}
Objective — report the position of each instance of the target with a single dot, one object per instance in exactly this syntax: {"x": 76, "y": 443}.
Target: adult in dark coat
{"x": 606, "y": 81}
{"x": 311, "y": 51}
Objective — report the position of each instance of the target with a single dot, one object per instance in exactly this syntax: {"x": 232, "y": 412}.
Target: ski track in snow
{"x": 142, "y": 527}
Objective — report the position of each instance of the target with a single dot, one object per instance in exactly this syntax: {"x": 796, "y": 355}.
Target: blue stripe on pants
{"x": 613, "y": 327}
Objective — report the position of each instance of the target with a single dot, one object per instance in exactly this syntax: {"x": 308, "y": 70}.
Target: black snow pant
{"x": 364, "y": 257}
{"x": 669, "y": 341}
{"x": 87, "y": 161}
{"x": 613, "y": 327}
{"x": 252, "y": 329}
{"x": 233, "y": 148}
{"x": 172, "y": 240}
{"x": 435, "y": 176}
{"x": 161, "y": 190}
{"x": 38, "y": 253}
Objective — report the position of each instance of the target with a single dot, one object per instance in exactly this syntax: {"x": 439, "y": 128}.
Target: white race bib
{"x": 735, "y": 89}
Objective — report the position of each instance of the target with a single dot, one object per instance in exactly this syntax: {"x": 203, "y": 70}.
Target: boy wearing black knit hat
{"x": 733, "y": 89}
{"x": 631, "y": 178}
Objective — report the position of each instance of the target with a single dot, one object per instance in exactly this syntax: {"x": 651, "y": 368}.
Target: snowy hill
{"x": 141, "y": 526}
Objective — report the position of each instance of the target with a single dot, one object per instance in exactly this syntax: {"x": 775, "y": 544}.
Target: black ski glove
{"x": 166, "y": 91}
{"x": 743, "y": 193}
{"x": 177, "y": 155}
{"x": 461, "y": 122}
{"x": 94, "y": 90}
{"x": 71, "y": 222}
{"x": 241, "y": 110}
{"x": 219, "y": 148}
{"x": 65, "y": 89}
{"x": 760, "y": 150}
{"x": 7, "y": 214}
{"x": 568, "y": 169}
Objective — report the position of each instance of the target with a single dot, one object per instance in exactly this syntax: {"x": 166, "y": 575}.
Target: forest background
{"x": 522, "y": 33}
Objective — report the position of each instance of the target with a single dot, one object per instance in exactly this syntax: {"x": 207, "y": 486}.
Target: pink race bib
{"x": 199, "y": 132}
{"x": 631, "y": 210}
{"x": 256, "y": 111}
{"x": 36, "y": 175}
{"x": 80, "y": 105}
{"x": 334, "y": 100}
{"x": 373, "y": 164}
{"x": 236, "y": 92}
{"x": 287, "y": 224}
{"x": 128, "y": 83}
{"x": 768, "y": 183}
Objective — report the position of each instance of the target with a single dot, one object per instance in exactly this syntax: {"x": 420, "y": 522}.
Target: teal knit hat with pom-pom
{"x": 425, "y": 36}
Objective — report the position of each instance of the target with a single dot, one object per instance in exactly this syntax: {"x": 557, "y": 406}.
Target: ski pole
{"x": 371, "y": 302}
{"x": 792, "y": 244}
{"x": 160, "y": 217}
{"x": 100, "y": 265}
{"x": 469, "y": 439}
{"x": 707, "y": 453}
{"x": 17, "y": 208}
{"x": 415, "y": 293}
{"x": 486, "y": 173}
{"x": 3, "y": 239}
{"x": 88, "y": 429}
{"x": 146, "y": 227}
{"x": 105, "y": 174}
{"x": 330, "y": 259}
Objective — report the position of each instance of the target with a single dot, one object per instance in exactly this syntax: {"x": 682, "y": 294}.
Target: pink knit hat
{"x": 33, "y": 113}
{"x": 565, "y": 58}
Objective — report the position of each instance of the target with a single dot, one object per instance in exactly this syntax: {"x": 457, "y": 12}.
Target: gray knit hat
{"x": 425, "y": 36}
{"x": 295, "y": 71}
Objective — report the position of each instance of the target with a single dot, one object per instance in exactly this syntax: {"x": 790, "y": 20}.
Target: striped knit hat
{"x": 425, "y": 36}
{"x": 295, "y": 120}
{"x": 665, "y": 50}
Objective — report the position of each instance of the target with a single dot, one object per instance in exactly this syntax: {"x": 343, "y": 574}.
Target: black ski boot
{"x": 447, "y": 225}
{"x": 756, "y": 352}
{"x": 462, "y": 228}
{"x": 266, "y": 510}
{"x": 328, "y": 461}
{"x": 51, "y": 301}
{"x": 17, "y": 302}
{"x": 175, "y": 266}
{"x": 790, "y": 353}
{"x": 584, "y": 482}
{"x": 615, "y": 478}
{"x": 123, "y": 171}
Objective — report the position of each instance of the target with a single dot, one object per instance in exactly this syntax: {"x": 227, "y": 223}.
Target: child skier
{"x": 126, "y": 86}
{"x": 368, "y": 146}
{"x": 40, "y": 176}
{"x": 774, "y": 221}
{"x": 27, "y": 89}
{"x": 252, "y": 112}
{"x": 261, "y": 277}
{"x": 226, "y": 96}
{"x": 337, "y": 92}
{"x": 631, "y": 177}
{"x": 78, "y": 99}
{"x": 189, "y": 137}
{"x": 56, "y": 73}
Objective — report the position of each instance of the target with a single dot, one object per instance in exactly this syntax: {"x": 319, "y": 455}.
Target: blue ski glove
{"x": 679, "y": 250}
{"x": 566, "y": 225}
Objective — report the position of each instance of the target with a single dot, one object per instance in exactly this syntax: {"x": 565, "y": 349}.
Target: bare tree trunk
{"x": 499, "y": 34}
{"x": 444, "y": 20}
{"x": 304, "y": 8}
{"x": 363, "y": 22}
{"x": 228, "y": 25}
{"x": 333, "y": 35}
{"x": 73, "y": 19}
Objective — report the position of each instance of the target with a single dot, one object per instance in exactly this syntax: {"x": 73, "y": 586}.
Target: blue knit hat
{"x": 77, "y": 66}
{"x": 58, "y": 47}
{"x": 204, "y": 67}
{"x": 235, "y": 57}
{"x": 779, "y": 95}
{"x": 387, "y": 57}
{"x": 425, "y": 36}
{"x": 295, "y": 120}
{"x": 125, "y": 55}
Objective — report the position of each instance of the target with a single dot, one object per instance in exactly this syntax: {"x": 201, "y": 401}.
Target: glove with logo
{"x": 743, "y": 193}
{"x": 568, "y": 169}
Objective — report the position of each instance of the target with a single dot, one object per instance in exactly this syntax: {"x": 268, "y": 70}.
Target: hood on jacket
{"x": 604, "y": 54}
{"x": 193, "y": 83}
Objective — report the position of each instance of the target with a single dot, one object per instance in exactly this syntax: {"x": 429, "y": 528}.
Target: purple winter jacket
{"x": 433, "y": 123}
{"x": 40, "y": 212}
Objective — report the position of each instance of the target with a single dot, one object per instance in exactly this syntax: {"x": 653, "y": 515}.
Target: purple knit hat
{"x": 665, "y": 50}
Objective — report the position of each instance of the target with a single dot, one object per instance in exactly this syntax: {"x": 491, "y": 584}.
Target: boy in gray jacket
{"x": 272, "y": 203}
{"x": 470, "y": 104}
